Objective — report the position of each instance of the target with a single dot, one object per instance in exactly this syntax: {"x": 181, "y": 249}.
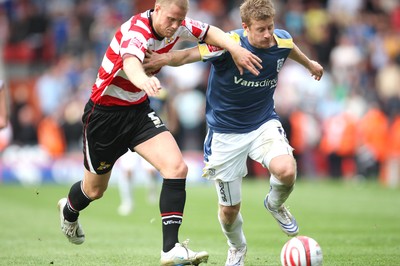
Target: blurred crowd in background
{"x": 347, "y": 125}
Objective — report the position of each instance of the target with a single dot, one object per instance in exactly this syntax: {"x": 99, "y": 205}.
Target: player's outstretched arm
{"x": 243, "y": 58}
{"x": 154, "y": 61}
{"x": 137, "y": 75}
{"x": 313, "y": 67}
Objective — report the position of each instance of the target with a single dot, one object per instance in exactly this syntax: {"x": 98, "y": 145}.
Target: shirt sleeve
{"x": 135, "y": 44}
{"x": 284, "y": 39}
{"x": 196, "y": 30}
{"x": 209, "y": 52}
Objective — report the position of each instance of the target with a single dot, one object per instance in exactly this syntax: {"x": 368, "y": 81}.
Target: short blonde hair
{"x": 184, "y": 4}
{"x": 256, "y": 10}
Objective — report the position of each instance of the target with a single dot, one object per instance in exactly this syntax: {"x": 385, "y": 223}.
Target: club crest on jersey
{"x": 134, "y": 41}
{"x": 211, "y": 172}
{"x": 169, "y": 40}
{"x": 279, "y": 64}
{"x": 103, "y": 166}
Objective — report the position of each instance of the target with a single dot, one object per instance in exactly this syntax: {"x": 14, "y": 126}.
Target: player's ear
{"x": 244, "y": 26}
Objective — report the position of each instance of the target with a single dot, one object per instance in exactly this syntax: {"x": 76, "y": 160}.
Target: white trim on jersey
{"x": 134, "y": 37}
{"x": 119, "y": 93}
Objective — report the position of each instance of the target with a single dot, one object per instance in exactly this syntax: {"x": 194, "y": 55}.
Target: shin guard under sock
{"x": 234, "y": 232}
{"x": 172, "y": 203}
{"x": 77, "y": 201}
{"x": 278, "y": 193}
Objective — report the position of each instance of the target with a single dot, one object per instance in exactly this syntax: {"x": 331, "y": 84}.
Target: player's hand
{"x": 151, "y": 86}
{"x": 316, "y": 70}
{"x": 154, "y": 61}
{"x": 245, "y": 59}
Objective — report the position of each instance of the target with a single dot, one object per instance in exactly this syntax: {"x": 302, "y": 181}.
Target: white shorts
{"x": 226, "y": 156}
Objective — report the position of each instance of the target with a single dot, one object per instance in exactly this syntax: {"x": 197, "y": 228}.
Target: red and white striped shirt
{"x": 135, "y": 37}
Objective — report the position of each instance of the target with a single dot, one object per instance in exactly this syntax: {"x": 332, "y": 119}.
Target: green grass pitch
{"x": 356, "y": 223}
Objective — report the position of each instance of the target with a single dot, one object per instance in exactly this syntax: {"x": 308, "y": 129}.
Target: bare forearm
{"x": 297, "y": 55}
{"x": 155, "y": 61}
{"x": 217, "y": 37}
{"x": 137, "y": 75}
{"x": 243, "y": 58}
{"x": 134, "y": 71}
{"x": 312, "y": 66}
{"x": 182, "y": 57}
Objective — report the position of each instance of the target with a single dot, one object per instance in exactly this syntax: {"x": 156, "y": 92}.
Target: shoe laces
{"x": 232, "y": 255}
{"x": 284, "y": 213}
{"x": 189, "y": 253}
{"x": 233, "y": 252}
{"x": 185, "y": 243}
{"x": 70, "y": 228}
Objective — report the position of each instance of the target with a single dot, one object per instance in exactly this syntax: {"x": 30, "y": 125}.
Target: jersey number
{"x": 156, "y": 120}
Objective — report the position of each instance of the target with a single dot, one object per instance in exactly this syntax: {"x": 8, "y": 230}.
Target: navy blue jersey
{"x": 240, "y": 104}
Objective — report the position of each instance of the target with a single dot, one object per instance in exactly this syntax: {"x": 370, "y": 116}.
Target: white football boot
{"x": 181, "y": 255}
{"x": 72, "y": 230}
{"x": 284, "y": 218}
{"x": 236, "y": 256}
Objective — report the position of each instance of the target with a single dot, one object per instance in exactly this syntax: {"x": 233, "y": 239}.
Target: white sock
{"x": 234, "y": 232}
{"x": 278, "y": 193}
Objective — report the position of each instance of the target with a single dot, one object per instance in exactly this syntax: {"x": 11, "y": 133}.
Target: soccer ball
{"x": 301, "y": 251}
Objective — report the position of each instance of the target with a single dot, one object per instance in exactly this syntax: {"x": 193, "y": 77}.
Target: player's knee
{"x": 230, "y": 213}
{"x": 179, "y": 169}
{"x": 285, "y": 170}
{"x": 96, "y": 193}
{"x": 287, "y": 175}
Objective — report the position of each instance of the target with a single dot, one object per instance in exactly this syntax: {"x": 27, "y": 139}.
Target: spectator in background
{"x": 338, "y": 143}
{"x": 53, "y": 88}
{"x": 23, "y": 117}
{"x": 388, "y": 86}
{"x": 71, "y": 125}
{"x": 4, "y": 112}
{"x": 3, "y": 106}
{"x": 51, "y": 137}
{"x": 390, "y": 169}
{"x": 345, "y": 62}
{"x": 372, "y": 136}
{"x": 304, "y": 141}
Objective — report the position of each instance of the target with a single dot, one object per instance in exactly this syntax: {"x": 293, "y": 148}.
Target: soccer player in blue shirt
{"x": 242, "y": 120}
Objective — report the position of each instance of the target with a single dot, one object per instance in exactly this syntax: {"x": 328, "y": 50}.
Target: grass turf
{"x": 356, "y": 223}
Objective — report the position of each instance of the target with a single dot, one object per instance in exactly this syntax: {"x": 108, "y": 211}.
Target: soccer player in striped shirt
{"x": 118, "y": 117}
{"x": 242, "y": 121}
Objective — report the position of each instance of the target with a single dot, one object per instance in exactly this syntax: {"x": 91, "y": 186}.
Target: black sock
{"x": 77, "y": 201}
{"x": 172, "y": 203}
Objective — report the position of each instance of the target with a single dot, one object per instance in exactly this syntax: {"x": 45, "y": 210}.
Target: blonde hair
{"x": 184, "y": 4}
{"x": 256, "y": 10}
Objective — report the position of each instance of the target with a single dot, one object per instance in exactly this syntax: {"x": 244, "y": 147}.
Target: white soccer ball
{"x": 301, "y": 251}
